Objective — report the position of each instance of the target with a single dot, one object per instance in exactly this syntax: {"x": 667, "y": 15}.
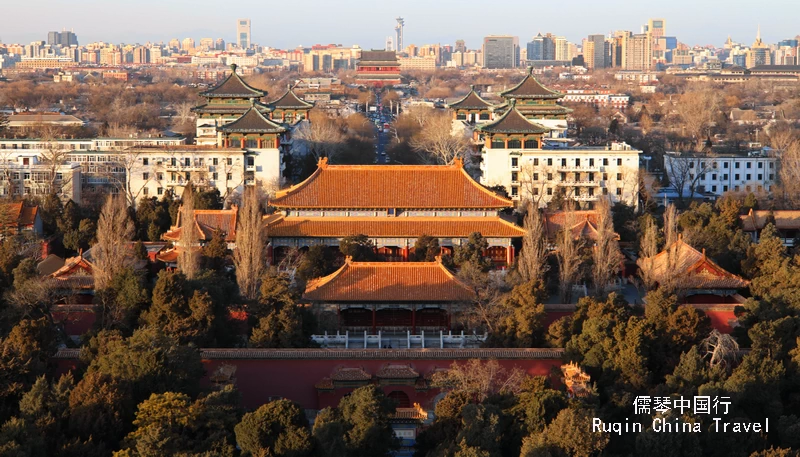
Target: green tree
{"x": 122, "y": 302}
{"x": 278, "y": 428}
{"x": 24, "y": 356}
{"x": 364, "y": 417}
{"x": 522, "y": 322}
{"x": 329, "y": 430}
{"x": 288, "y": 327}
{"x": 150, "y": 361}
{"x": 100, "y": 407}
{"x": 359, "y": 247}
{"x": 317, "y": 261}
{"x": 215, "y": 252}
{"x": 209, "y": 199}
{"x": 569, "y": 435}
{"x": 79, "y": 238}
{"x": 189, "y": 320}
{"x": 473, "y": 252}
{"x": 426, "y": 248}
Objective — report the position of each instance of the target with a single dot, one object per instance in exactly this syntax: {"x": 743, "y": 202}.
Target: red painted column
{"x": 405, "y": 253}
{"x": 413, "y": 320}
{"x": 374, "y": 326}
{"x": 510, "y": 255}
{"x": 241, "y": 142}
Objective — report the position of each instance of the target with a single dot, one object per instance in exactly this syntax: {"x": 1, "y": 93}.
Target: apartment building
{"x": 718, "y": 174}
{"x": 26, "y": 173}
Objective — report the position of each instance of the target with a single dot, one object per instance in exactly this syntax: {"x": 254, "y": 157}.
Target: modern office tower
{"x": 206, "y": 44}
{"x": 187, "y": 44}
{"x": 594, "y": 51}
{"x": 500, "y": 51}
{"x": 219, "y": 45}
{"x": 243, "y": 33}
{"x": 759, "y": 53}
{"x": 638, "y": 52}
{"x": 174, "y": 44}
{"x": 141, "y": 55}
{"x": 536, "y": 48}
{"x": 657, "y": 28}
{"x": 461, "y": 46}
{"x": 561, "y": 48}
{"x": 398, "y": 33}
{"x": 65, "y": 39}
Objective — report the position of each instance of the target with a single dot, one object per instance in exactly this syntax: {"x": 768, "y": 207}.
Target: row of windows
{"x": 577, "y": 176}
{"x": 569, "y": 162}
{"x": 549, "y": 191}
{"x": 736, "y": 177}
{"x": 736, "y": 165}
{"x": 187, "y": 176}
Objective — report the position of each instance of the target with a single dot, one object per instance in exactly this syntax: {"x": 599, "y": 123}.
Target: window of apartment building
{"x": 577, "y": 162}
{"x": 724, "y": 188}
{"x": 714, "y": 165}
{"x": 214, "y": 161}
{"x": 619, "y": 162}
{"x": 563, "y": 177}
{"x": 703, "y": 176}
{"x": 230, "y": 161}
{"x": 515, "y": 191}
{"x": 691, "y": 164}
{"x": 563, "y": 162}
{"x": 160, "y": 191}
{"x": 736, "y": 176}
{"x": 514, "y": 162}
{"x": 619, "y": 176}
{"x": 535, "y": 191}
{"x": 725, "y": 165}
{"x": 550, "y": 162}
{"x": 535, "y": 176}
{"x": 145, "y": 176}
{"x": 736, "y": 165}
{"x": 187, "y": 162}
{"x": 251, "y": 161}
{"x": 760, "y": 176}
{"x": 187, "y": 176}
{"x": 771, "y": 165}
{"x": 747, "y": 188}
{"x": 749, "y": 165}
{"x": 229, "y": 176}
{"x": 173, "y": 161}
{"x": 215, "y": 176}
{"x": 549, "y": 191}
{"x": 145, "y": 161}
{"x": 724, "y": 177}
{"x": 26, "y": 176}
{"x": 736, "y": 188}
{"x": 577, "y": 177}
{"x": 514, "y": 176}
{"x": 605, "y": 161}
{"x": 771, "y": 176}
{"x": 760, "y": 164}
{"x": 748, "y": 176}
{"x": 159, "y": 176}
{"x": 59, "y": 176}
{"x": 145, "y": 191}
{"x": 591, "y": 177}
{"x": 605, "y": 190}
{"x": 591, "y": 162}
{"x": 714, "y": 177}
{"x": 591, "y": 191}
{"x": 713, "y": 188}
{"x": 619, "y": 191}
{"x": 549, "y": 176}
{"x": 605, "y": 176}
{"x": 536, "y": 162}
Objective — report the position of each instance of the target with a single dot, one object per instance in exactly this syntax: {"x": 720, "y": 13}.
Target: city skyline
{"x": 442, "y": 22}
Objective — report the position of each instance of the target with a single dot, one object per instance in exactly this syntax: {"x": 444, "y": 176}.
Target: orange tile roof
{"x": 512, "y": 121}
{"x": 757, "y": 220}
{"x": 389, "y": 282}
{"x": 389, "y": 186}
{"x": 18, "y": 214}
{"x": 696, "y": 271}
{"x": 390, "y": 227}
{"x": 207, "y": 221}
{"x": 350, "y": 374}
{"x": 397, "y": 372}
{"x": 530, "y": 87}
{"x": 471, "y": 101}
{"x": 583, "y": 224}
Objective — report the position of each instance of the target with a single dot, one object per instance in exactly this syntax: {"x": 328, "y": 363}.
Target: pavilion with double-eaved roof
{"x": 537, "y": 103}
{"x": 393, "y": 205}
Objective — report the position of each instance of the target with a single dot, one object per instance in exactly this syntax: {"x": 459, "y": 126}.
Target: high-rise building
{"x": 243, "y": 33}
{"x": 219, "y": 45}
{"x": 65, "y": 39}
{"x": 141, "y": 55}
{"x": 759, "y": 53}
{"x": 461, "y": 46}
{"x": 561, "y": 48}
{"x": 174, "y": 44}
{"x": 594, "y": 51}
{"x": 638, "y": 52}
{"x": 657, "y": 28}
{"x": 536, "y": 48}
{"x": 398, "y": 33}
{"x": 187, "y": 44}
{"x": 206, "y": 44}
{"x": 500, "y": 51}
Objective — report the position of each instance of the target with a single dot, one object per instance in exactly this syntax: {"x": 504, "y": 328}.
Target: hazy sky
{"x": 286, "y": 24}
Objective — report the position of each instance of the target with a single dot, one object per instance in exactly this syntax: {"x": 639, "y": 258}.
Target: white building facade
{"x": 718, "y": 174}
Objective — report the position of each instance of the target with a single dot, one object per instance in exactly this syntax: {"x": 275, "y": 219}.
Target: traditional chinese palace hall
{"x": 415, "y": 296}
{"x": 393, "y": 205}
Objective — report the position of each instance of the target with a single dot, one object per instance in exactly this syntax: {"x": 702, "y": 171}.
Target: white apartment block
{"x": 147, "y": 168}
{"x": 597, "y": 98}
{"x": 26, "y": 174}
{"x": 718, "y": 174}
{"x": 583, "y": 174}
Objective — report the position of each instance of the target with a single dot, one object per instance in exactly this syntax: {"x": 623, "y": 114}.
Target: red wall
{"x": 721, "y": 319}
{"x": 260, "y": 379}
{"x": 75, "y": 323}
{"x": 553, "y": 316}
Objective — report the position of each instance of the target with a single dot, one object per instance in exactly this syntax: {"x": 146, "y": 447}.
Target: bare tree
{"x": 685, "y": 172}
{"x": 53, "y": 155}
{"x": 534, "y": 180}
{"x": 532, "y": 261}
{"x": 670, "y": 225}
{"x": 485, "y": 311}
{"x": 129, "y": 161}
{"x": 649, "y": 249}
{"x": 722, "y": 350}
{"x": 115, "y": 230}
{"x": 437, "y": 143}
{"x": 698, "y": 111}
{"x": 790, "y": 174}
{"x": 479, "y": 379}
{"x": 568, "y": 257}
{"x": 606, "y": 254}
{"x": 321, "y": 138}
{"x": 189, "y": 256}
{"x": 251, "y": 242}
